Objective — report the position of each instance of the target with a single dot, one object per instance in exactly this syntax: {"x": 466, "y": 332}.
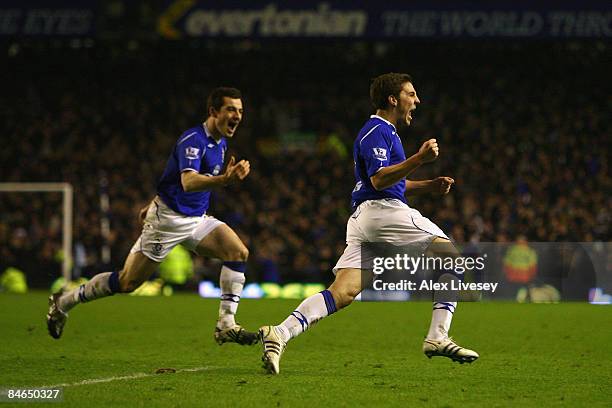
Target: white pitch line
{"x": 124, "y": 377}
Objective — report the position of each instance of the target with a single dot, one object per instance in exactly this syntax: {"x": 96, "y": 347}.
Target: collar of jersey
{"x": 209, "y": 136}
{"x": 384, "y": 120}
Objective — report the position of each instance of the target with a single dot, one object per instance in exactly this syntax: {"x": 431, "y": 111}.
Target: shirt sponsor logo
{"x": 192, "y": 153}
{"x": 380, "y": 153}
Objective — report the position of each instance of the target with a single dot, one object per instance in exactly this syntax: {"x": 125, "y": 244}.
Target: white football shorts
{"x": 164, "y": 229}
{"x": 386, "y": 220}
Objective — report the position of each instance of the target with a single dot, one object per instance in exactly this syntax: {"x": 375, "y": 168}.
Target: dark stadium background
{"x": 523, "y": 123}
{"x": 95, "y": 93}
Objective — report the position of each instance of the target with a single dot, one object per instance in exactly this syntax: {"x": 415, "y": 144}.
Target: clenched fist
{"x": 237, "y": 171}
{"x": 442, "y": 185}
{"x": 429, "y": 151}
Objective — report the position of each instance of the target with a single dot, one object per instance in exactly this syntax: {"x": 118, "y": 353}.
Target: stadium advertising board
{"x": 56, "y": 19}
{"x": 393, "y": 19}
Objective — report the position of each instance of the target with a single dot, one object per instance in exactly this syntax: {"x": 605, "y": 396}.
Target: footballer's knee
{"x": 238, "y": 253}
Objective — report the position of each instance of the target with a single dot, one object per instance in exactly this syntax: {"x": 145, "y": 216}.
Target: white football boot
{"x": 235, "y": 334}
{"x": 56, "y": 318}
{"x": 273, "y": 347}
{"x": 448, "y": 348}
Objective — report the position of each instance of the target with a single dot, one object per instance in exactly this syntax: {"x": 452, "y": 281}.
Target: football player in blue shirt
{"x": 380, "y": 214}
{"x": 177, "y": 215}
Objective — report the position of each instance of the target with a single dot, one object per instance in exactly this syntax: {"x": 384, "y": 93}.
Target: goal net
{"x": 30, "y": 225}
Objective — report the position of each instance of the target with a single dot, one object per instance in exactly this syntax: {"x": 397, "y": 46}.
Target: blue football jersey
{"x": 195, "y": 150}
{"x": 377, "y": 145}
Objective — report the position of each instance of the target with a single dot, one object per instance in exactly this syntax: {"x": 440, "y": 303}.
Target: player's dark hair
{"x": 385, "y": 85}
{"x": 215, "y": 98}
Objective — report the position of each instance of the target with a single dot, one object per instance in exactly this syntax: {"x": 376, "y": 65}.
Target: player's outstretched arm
{"x": 439, "y": 185}
{"x": 390, "y": 175}
{"x": 193, "y": 181}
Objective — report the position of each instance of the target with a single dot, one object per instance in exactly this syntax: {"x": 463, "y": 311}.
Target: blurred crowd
{"x": 523, "y": 130}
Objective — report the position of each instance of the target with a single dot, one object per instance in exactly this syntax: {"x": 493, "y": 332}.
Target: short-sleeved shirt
{"x": 196, "y": 150}
{"x": 377, "y": 145}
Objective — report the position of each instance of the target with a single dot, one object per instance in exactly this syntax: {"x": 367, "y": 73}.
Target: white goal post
{"x": 67, "y": 201}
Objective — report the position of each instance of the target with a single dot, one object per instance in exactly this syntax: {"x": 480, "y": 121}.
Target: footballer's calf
{"x": 347, "y": 286}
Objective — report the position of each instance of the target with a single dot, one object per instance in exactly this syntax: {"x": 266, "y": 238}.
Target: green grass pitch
{"x": 366, "y": 355}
